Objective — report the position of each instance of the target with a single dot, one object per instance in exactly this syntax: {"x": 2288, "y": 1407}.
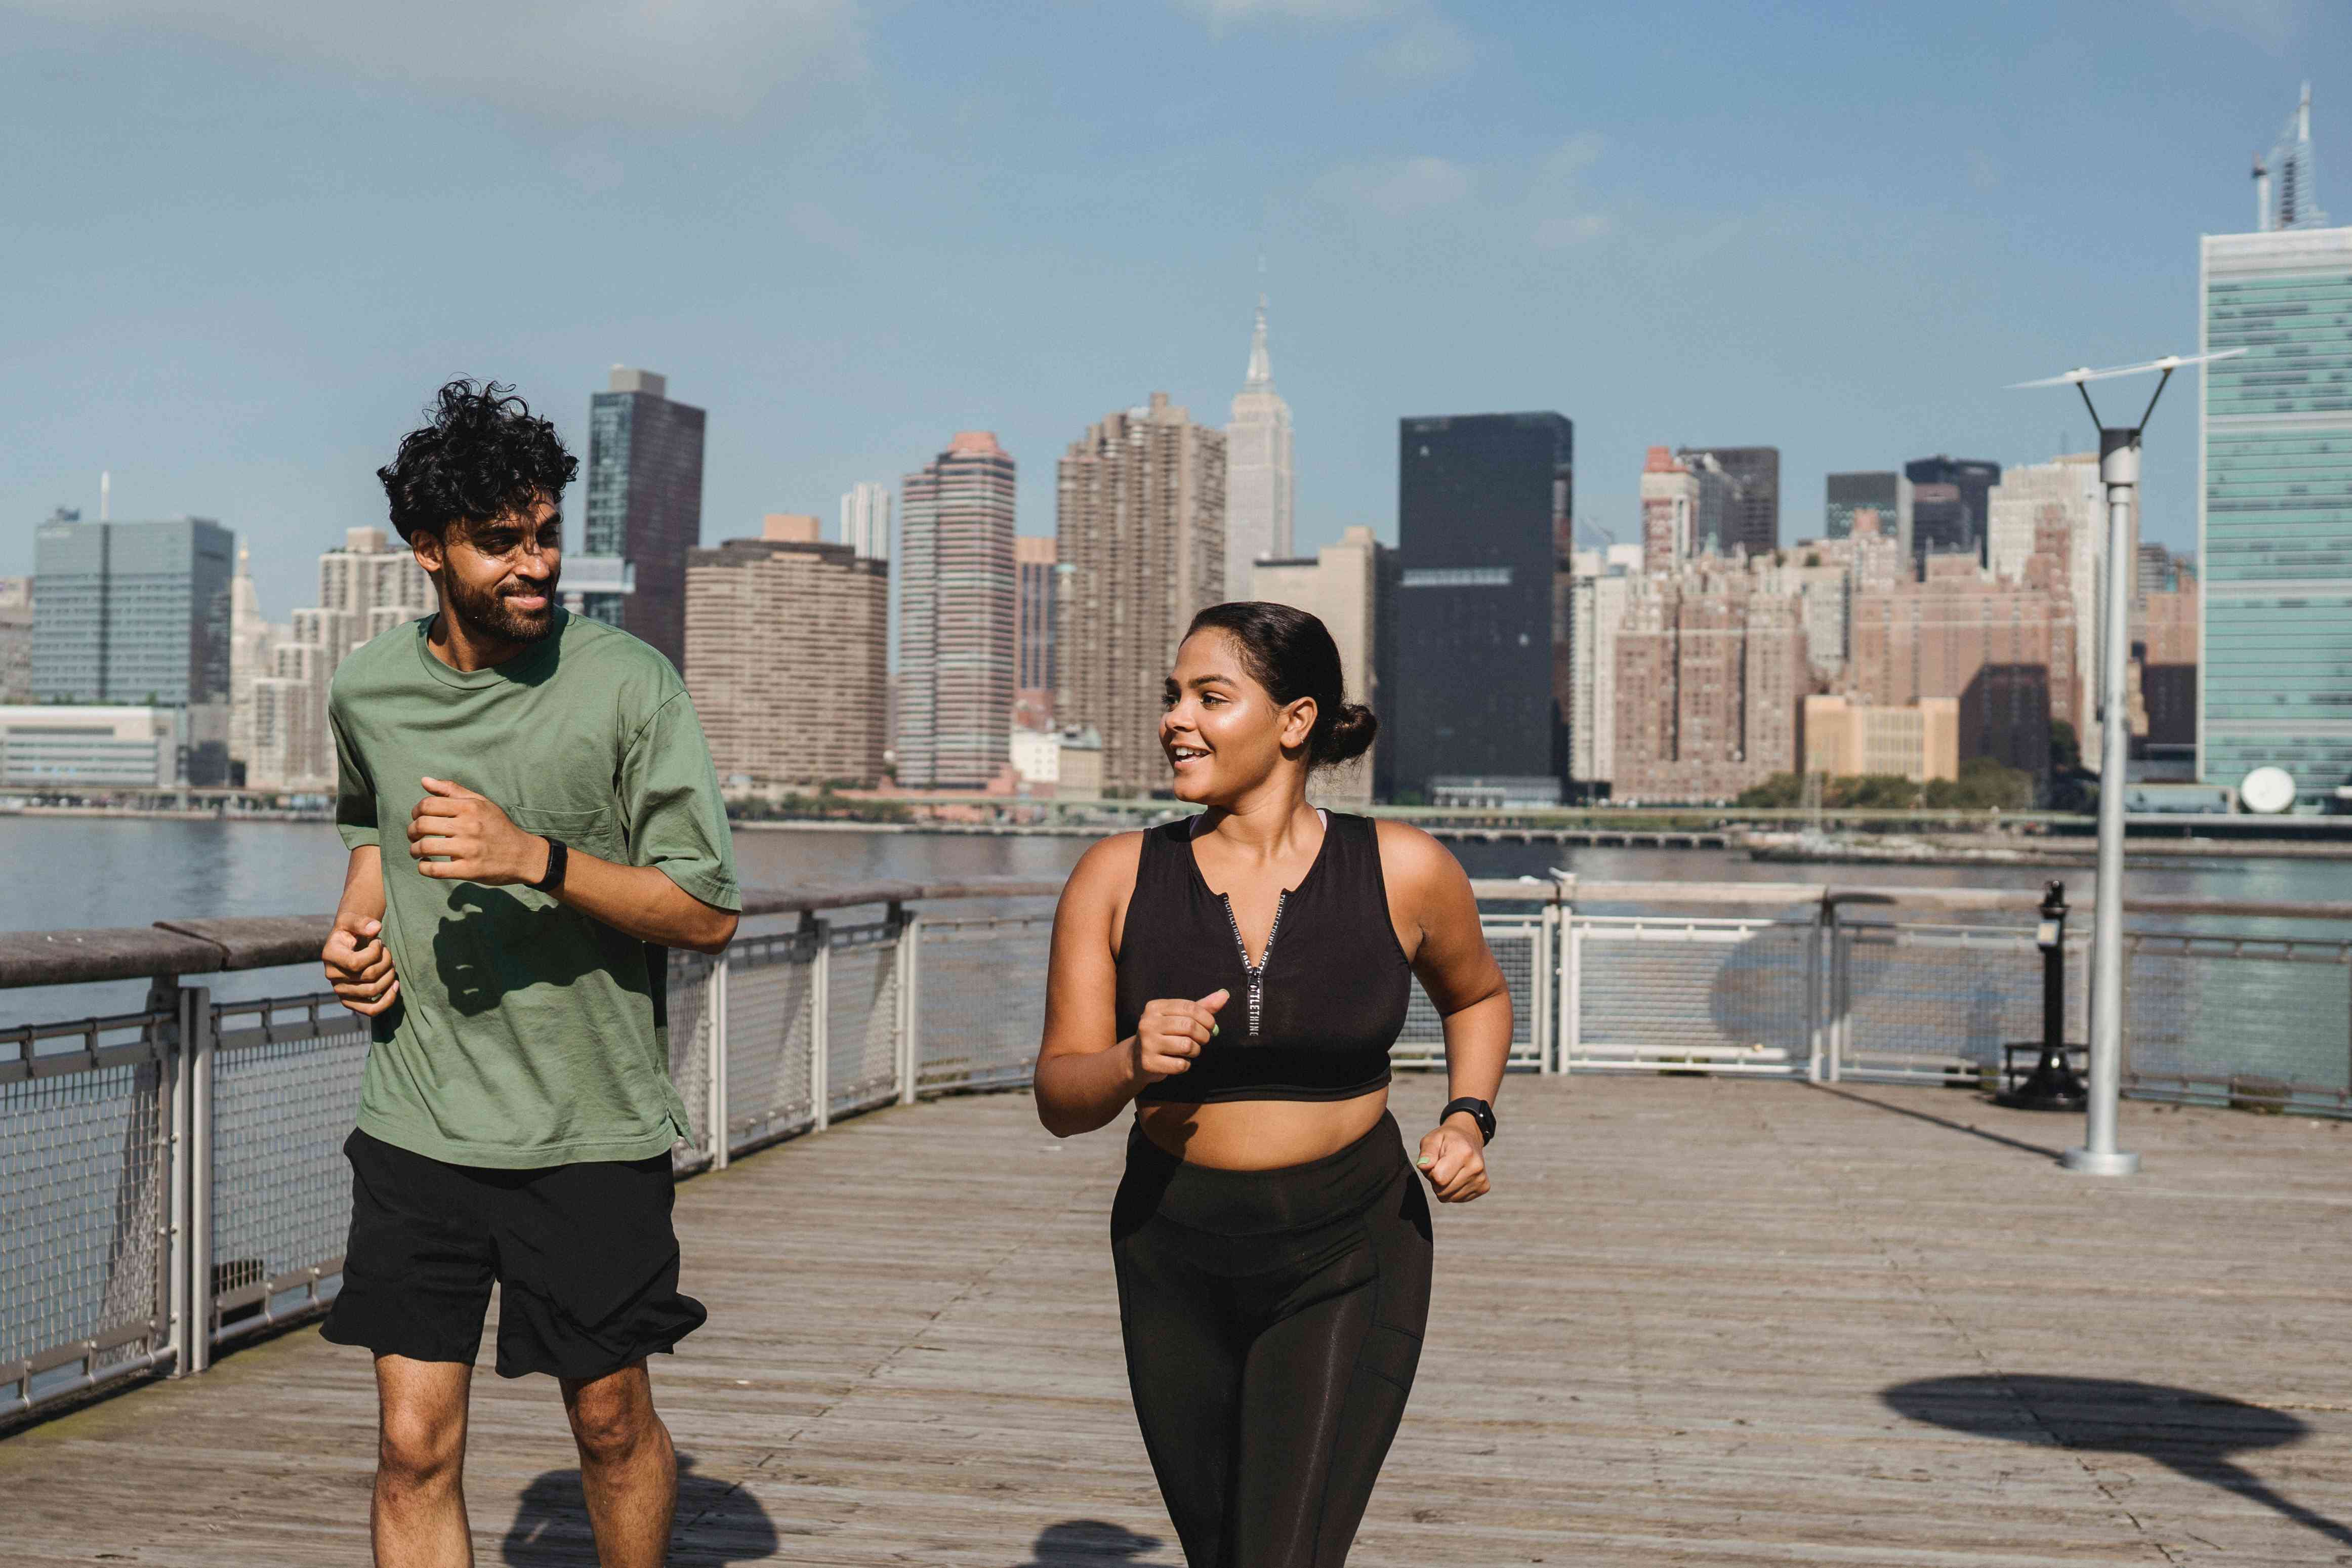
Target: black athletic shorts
{"x": 584, "y": 1255}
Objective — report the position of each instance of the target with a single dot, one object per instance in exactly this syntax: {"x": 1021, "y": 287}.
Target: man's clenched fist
{"x": 472, "y": 839}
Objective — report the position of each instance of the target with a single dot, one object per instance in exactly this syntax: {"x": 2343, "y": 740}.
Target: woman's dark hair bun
{"x": 1344, "y": 736}
{"x": 1291, "y": 654}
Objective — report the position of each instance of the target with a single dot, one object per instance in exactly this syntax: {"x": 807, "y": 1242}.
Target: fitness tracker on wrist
{"x": 1480, "y": 1111}
{"x": 553, "y": 879}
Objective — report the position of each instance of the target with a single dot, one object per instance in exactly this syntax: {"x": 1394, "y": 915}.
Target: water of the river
{"x": 65, "y": 872}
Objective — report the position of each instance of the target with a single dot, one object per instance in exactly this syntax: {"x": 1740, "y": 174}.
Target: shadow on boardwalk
{"x": 717, "y": 1522}
{"x": 2188, "y": 1433}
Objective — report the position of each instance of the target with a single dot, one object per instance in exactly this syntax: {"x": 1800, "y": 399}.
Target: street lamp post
{"x": 2119, "y": 472}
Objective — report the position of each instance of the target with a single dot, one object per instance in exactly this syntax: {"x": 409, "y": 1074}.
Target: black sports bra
{"x": 1318, "y": 1017}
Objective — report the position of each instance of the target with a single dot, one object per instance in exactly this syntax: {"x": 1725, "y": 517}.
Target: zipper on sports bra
{"x": 1257, "y": 976}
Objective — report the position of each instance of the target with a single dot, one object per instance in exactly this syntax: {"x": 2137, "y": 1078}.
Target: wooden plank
{"x": 1701, "y": 1320}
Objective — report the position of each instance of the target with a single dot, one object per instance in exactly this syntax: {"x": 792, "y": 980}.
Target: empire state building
{"x": 1260, "y": 485}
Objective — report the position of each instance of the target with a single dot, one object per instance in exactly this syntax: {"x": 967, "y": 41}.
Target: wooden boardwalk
{"x": 1700, "y": 1321}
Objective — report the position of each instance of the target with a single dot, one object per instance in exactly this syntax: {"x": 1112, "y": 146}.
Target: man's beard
{"x": 488, "y": 613}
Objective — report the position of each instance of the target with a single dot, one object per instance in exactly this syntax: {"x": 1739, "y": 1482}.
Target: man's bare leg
{"x": 418, "y": 1518}
{"x": 627, "y": 1468}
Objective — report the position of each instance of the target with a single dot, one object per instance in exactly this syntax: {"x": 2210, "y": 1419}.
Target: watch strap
{"x": 1480, "y": 1111}
{"x": 553, "y": 877}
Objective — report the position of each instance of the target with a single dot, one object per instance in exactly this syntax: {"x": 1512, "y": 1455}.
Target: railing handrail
{"x": 216, "y": 946}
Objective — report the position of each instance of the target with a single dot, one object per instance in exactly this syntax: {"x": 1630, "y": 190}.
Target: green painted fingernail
{"x": 1212, "y": 1030}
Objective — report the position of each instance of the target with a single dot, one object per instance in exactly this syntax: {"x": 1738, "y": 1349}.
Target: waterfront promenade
{"x": 1702, "y": 1320}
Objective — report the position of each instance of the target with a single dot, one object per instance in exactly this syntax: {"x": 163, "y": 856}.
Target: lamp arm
{"x": 2160, "y": 382}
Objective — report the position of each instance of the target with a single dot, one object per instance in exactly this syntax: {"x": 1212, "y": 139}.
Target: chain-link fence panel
{"x": 2257, "y": 1024}
{"x": 691, "y": 1025}
{"x": 982, "y": 995}
{"x": 84, "y": 1202}
{"x": 284, "y": 1094}
{"x": 862, "y": 1016}
{"x": 1519, "y": 944}
{"x": 1936, "y": 1003}
{"x": 771, "y": 1025}
{"x": 1702, "y": 995}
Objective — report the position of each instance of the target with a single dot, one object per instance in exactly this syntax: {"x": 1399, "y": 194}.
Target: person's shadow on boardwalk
{"x": 1087, "y": 1544}
{"x": 717, "y": 1522}
{"x": 2188, "y": 1433}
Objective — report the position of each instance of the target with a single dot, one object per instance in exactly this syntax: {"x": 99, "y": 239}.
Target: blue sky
{"x": 251, "y": 235}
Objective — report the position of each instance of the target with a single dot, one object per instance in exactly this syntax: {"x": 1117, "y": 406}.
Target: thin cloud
{"x": 1557, "y": 199}
{"x": 1223, "y": 14}
{"x": 1429, "y": 48}
{"x": 2269, "y": 24}
{"x": 566, "y": 60}
{"x": 1398, "y": 189}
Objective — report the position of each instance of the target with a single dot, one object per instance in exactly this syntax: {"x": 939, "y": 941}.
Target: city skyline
{"x": 1516, "y": 252}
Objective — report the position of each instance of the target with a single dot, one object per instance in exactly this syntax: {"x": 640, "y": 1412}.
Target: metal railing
{"x": 171, "y": 1178}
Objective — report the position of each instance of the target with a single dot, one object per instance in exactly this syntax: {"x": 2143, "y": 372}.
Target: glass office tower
{"x": 1485, "y": 504}
{"x": 138, "y": 613}
{"x": 2274, "y": 510}
{"x": 645, "y": 506}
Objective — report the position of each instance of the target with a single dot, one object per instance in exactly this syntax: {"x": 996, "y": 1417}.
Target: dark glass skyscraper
{"x": 1949, "y": 505}
{"x": 645, "y": 504}
{"x": 1752, "y": 514}
{"x": 1485, "y": 504}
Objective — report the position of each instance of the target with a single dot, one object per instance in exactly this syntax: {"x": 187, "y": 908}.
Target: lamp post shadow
{"x": 2190, "y": 1433}
{"x": 1089, "y": 1543}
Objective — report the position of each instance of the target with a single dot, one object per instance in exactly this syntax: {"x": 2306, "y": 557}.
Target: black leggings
{"x": 1272, "y": 1321}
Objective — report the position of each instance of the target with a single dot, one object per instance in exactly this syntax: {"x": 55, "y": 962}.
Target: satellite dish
{"x": 2267, "y": 790}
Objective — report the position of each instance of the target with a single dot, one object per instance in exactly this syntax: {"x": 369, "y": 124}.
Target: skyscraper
{"x": 16, "y": 641}
{"x": 281, "y": 675}
{"x": 1751, "y": 514}
{"x": 1139, "y": 525}
{"x": 958, "y": 608}
{"x": 1260, "y": 488}
{"x": 1671, "y": 498}
{"x": 2275, "y": 500}
{"x": 1339, "y": 585}
{"x": 788, "y": 659}
{"x": 1033, "y": 698}
{"x": 1485, "y": 511}
{"x": 139, "y": 612}
{"x": 1886, "y": 493}
{"x": 644, "y": 509}
{"x": 1948, "y": 505}
{"x": 1711, "y": 666}
{"x": 865, "y": 520}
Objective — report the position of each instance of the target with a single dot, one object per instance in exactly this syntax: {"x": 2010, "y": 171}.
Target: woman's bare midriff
{"x": 1260, "y": 1134}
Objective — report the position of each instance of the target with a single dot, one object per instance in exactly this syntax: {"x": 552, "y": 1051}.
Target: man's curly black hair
{"x": 484, "y": 454}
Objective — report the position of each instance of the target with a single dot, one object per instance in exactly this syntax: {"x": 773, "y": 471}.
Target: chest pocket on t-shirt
{"x": 597, "y": 832}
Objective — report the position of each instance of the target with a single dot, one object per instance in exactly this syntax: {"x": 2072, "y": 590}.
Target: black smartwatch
{"x": 1480, "y": 1111}
{"x": 556, "y": 855}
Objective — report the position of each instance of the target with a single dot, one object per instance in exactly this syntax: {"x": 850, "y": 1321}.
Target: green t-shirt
{"x": 526, "y": 1033}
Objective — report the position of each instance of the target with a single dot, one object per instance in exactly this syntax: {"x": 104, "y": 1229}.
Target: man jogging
{"x": 532, "y": 817}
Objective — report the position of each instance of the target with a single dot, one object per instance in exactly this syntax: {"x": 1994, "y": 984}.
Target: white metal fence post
{"x": 1571, "y": 999}
{"x": 1814, "y": 992}
{"x": 200, "y": 1178}
{"x": 1546, "y": 977}
{"x": 179, "y": 1078}
{"x": 910, "y": 1015}
{"x": 1840, "y": 994}
{"x": 714, "y": 1006}
{"x": 819, "y": 1022}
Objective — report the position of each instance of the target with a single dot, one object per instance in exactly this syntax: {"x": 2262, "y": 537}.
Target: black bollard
{"x": 2053, "y": 1085}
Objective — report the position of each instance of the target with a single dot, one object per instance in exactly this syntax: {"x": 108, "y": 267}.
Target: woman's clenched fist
{"x": 1171, "y": 1035}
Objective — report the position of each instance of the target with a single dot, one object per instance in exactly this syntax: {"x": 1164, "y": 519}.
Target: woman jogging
{"x": 1240, "y": 977}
